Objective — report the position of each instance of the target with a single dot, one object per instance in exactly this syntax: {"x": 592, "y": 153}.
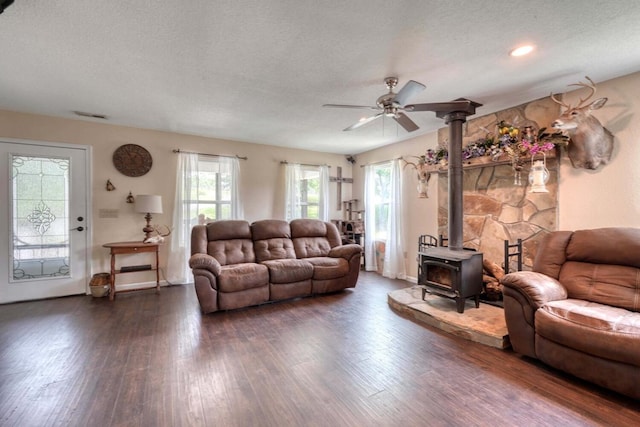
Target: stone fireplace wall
{"x": 495, "y": 209}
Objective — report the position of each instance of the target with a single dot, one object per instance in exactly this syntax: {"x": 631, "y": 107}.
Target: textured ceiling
{"x": 260, "y": 70}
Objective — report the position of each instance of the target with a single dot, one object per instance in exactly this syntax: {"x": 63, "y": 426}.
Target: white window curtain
{"x": 394, "y": 265}
{"x": 294, "y": 174}
{"x": 178, "y": 270}
{"x": 185, "y": 211}
{"x": 388, "y": 226}
{"x": 231, "y": 165}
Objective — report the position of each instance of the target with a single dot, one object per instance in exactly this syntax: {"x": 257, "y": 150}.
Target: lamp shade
{"x": 146, "y": 203}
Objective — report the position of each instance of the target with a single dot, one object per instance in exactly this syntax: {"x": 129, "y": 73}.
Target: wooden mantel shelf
{"x": 485, "y": 161}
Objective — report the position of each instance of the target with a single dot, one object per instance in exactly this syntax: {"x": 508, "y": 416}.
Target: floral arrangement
{"x": 439, "y": 155}
{"x": 515, "y": 142}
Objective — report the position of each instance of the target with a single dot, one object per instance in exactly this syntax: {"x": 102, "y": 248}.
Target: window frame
{"x": 218, "y": 202}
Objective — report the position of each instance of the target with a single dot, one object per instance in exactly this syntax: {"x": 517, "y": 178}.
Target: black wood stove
{"x": 451, "y": 273}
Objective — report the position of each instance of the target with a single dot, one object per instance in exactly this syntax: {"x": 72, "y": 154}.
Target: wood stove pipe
{"x": 455, "y": 120}
{"x": 455, "y": 181}
{"x": 454, "y": 113}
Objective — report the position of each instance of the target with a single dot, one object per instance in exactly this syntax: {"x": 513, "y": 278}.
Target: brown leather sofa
{"x": 236, "y": 264}
{"x": 579, "y": 309}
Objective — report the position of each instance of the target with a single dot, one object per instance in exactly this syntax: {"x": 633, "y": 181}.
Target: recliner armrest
{"x": 347, "y": 251}
{"x": 537, "y": 288}
{"x": 206, "y": 262}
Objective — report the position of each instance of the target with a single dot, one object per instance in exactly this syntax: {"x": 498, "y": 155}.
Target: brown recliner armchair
{"x": 578, "y": 310}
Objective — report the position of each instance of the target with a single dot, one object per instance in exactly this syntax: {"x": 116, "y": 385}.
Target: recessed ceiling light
{"x": 521, "y": 50}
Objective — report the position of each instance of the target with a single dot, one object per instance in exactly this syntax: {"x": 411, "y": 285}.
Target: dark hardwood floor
{"x": 345, "y": 359}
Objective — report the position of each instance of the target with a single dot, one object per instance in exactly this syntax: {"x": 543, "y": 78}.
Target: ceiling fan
{"x": 390, "y": 104}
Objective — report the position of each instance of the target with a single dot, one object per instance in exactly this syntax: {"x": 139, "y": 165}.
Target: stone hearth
{"x": 485, "y": 325}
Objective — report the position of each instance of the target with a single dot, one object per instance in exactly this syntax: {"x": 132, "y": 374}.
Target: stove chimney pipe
{"x": 455, "y": 119}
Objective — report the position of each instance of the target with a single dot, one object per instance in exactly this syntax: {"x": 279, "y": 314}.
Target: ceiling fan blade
{"x": 368, "y": 107}
{"x": 363, "y": 122}
{"x": 404, "y": 121}
{"x": 408, "y": 91}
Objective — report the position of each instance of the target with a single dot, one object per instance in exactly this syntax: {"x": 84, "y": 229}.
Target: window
{"x": 305, "y": 191}
{"x": 210, "y": 196}
{"x": 382, "y": 199}
{"x": 40, "y": 217}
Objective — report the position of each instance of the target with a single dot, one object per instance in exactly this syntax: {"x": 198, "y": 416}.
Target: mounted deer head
{"x": 159, "y": 237}
{"x": 424, "y": 175}
{"x": 590, "y": 143}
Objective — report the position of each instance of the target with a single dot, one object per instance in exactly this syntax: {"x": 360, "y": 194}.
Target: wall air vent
{"x": 92, "y": 115}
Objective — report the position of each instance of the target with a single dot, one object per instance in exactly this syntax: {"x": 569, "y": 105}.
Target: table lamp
{"x": 148, "y": 204}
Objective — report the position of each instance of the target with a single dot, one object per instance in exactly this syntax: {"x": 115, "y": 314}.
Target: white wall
{"x": 262, "y": 179}
{"x": 607, "y": 197}
{"x": 610, "y": 195}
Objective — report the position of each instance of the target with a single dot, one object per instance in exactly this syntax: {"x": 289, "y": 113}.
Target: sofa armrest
{"x": 537, "y": 288}
{"x": 205, "y": 262}
{"x": 347, "y": 251}
{"x": 524, "y": 293}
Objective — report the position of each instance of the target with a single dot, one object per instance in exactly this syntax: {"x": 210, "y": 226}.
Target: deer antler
{"x": 591, "y": 86}
{"x": 407, "y": 163}
{"x": 562, "y": 104}
{"x": 415, "y": 165}
{"x": 157, "y": 229}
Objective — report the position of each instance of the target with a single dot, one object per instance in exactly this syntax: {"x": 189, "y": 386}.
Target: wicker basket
{"x": 99, "y": 284}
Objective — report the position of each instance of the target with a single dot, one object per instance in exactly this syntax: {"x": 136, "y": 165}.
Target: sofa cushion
{"x": 288, "y": 270}
{"x": 307, "y": 247}
{"x": 228, "y": 229}
{"x": 272, "y": 240}
{"x": 239, "y": 277}
{"x": 600, "y": 330}
{"x": 272, "y": 249}
{"x": 552, "y": 253}
{"x": 325, "y": 268}
{"x": 614, "y": 285}
{"x": 308, "y": 228}
{"x": 313, "y": 238}
{"x": 614, "y": 246}
{"x": 234, "y": 251}
{"x": 269, "y": 229}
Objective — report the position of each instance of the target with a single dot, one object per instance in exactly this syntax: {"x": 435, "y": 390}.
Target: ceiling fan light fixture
{"x": 521, "y": 50}
{"x": 388, "y": 105}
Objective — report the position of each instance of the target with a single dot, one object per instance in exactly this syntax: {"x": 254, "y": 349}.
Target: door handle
{"x": 78, "y": 228}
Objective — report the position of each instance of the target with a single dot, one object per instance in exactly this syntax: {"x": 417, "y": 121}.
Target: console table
{"x": 127, "y": 248}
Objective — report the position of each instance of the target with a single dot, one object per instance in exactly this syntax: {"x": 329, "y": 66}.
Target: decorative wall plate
{"x": 132, "y": 160}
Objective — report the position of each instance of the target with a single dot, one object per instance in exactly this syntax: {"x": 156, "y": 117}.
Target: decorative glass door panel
{"x": 39, "y": 207}
{"x": 43, "y": 227}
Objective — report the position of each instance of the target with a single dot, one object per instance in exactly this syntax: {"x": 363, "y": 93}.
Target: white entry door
{"x": 44, "y": 227}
